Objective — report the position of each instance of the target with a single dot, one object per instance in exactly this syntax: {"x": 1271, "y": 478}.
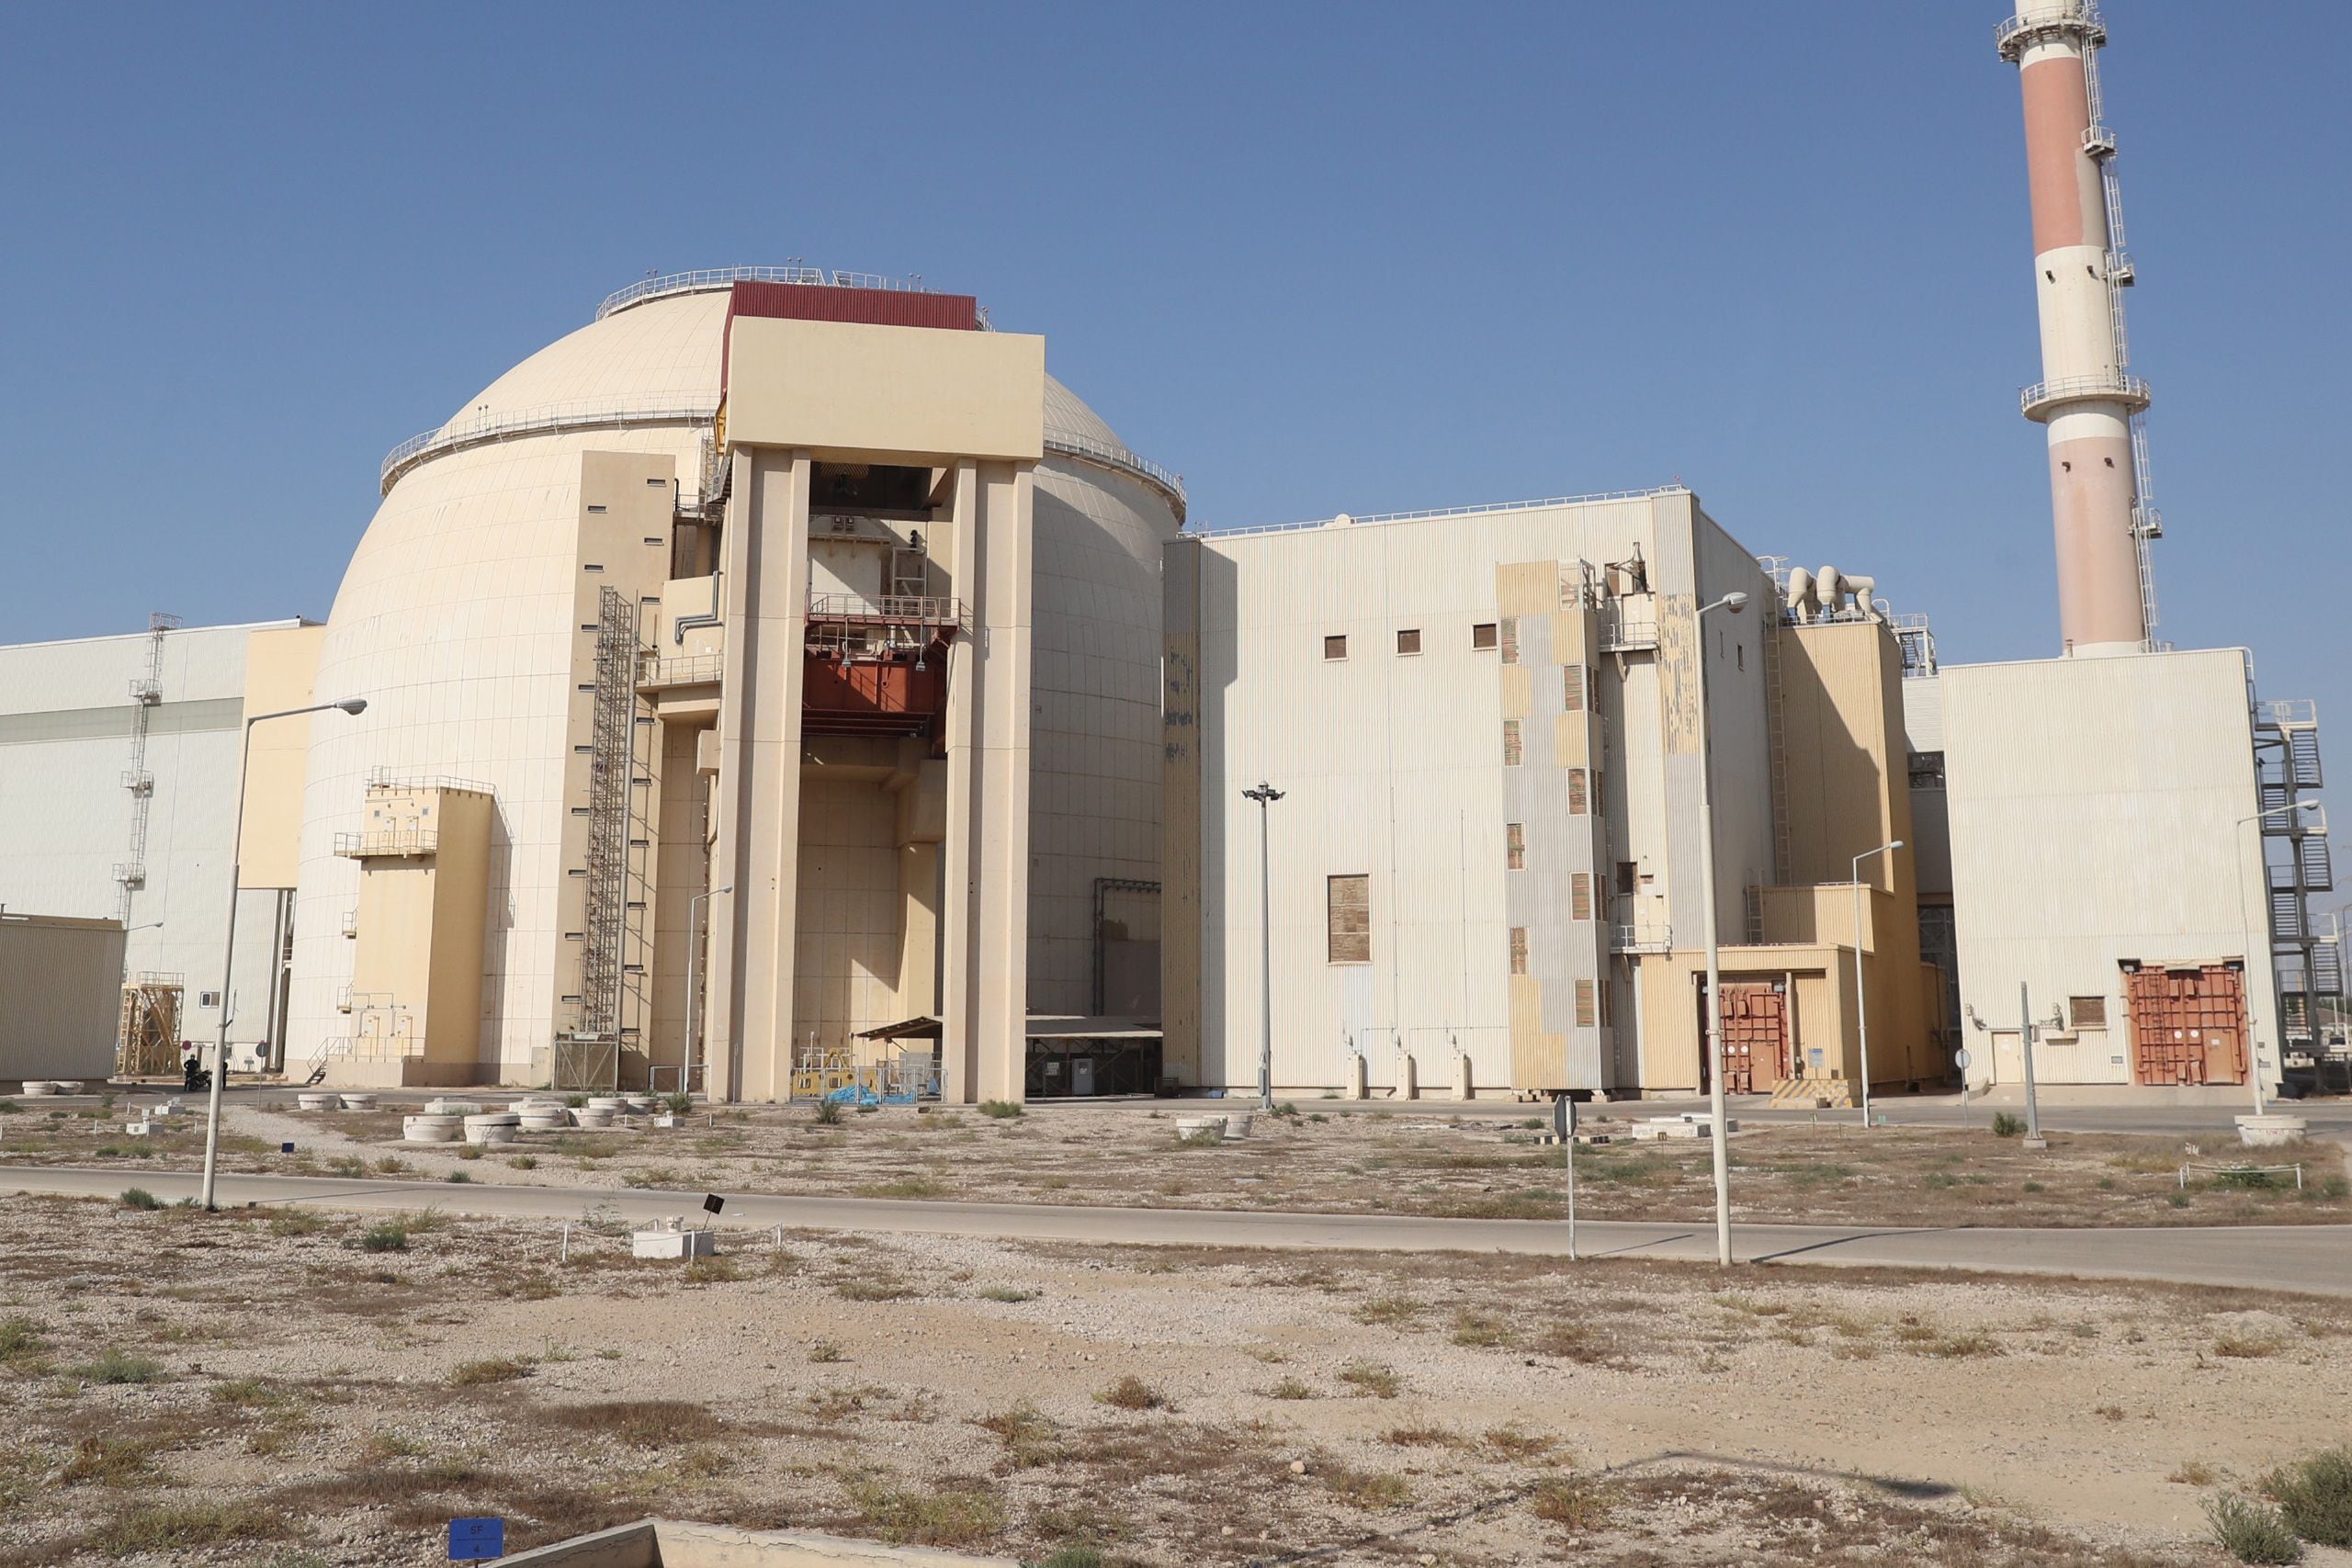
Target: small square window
{"x": 2086, "y": 1012}
{"x": 1515, "y": 846}
{"x": 1580, "y": 896}
{"x": 1408, "y": 641}
{"x": 1629, "y": 878}
{"x": 1588, "y": 1013}
{"x": 1510, "y": 639}
{"x": 1335, "y": 647}
{"x": 1483, "y": 634}
{"x": 1580, "y": 792}
{"x": 1519, "y": 950}
{"x": 1572, "y": 688}
{"x": 1511, "y": 744}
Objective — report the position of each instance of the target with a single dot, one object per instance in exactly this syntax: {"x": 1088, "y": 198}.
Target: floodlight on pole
{"x": 1733, "y": 603}
{"x": 1861, "y": 1001}
{"x": 228, "y": 939}
{"x": 1265, "y": 795}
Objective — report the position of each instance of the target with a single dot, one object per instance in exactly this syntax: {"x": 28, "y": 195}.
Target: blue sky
{"x": 1317, "y": 260}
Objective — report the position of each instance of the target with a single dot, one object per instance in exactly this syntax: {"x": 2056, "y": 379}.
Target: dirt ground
{"x": 1400, "y": 1162}
{"x": 294, "y": 1389}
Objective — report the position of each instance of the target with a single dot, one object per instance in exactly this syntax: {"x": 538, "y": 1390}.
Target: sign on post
{"x": 1564, "y": 1127}
{"x": 474, "y": 1541}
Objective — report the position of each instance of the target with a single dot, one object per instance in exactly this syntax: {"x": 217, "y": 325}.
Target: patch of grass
{"x": 911, "y": 1516}
{"x": 826, "y": 1114}
{"x": 1290, "y": 1388}
{"x": 109, "y": 1462}
{"x": 574, "y": 1101}
{"x": 2252, "y": 1531}
{"x": 490, "y": 1369}
{"x": 677, "y": 1104}
{"x": 1424, "y": 1437}
{"x": 297, "y": 1221}
{"x": 2194, "y": 1473}
{"x": 1002, "y": 1109}
{"x": 1365, "y": 1488}
{"x": 113, "y": 1366}
{"x": 2245, "y": 1346}
{"x": 712, "y": 1271}
{"x": 1131, "y": 1393}
{"x": 642, "y": 1422}
{"x": 1370, "y": 1378}
{"x": 1571, "y": 1502}
{"x": 1030, "y": 1438}
{"x": 1009, "y": 1294}
{"x": 21, "y": 1336}
{"x": 1388, "y": 1310}
{"x": 525, "y": 1162}
{"x": 2315, "y": 1495}
{"x": 247, "y": 1393}
{"x": 392, "y": 1165}
{"x": 1477, "y": 1330}
{"x": 824, "y": 1353}
{"x": 2007, "y": 1126}
{"x": 461, "y": 1177}
{"x": 874, "y": 1288}
{"x": 1577, "y": 1342}
{"x": 386, "y": 1235}
{"x": 1519, "y": 1447}
{"x": 186, "y": 1526}
{"x": 1207, "y": 1138}
{"x": 904, "y": 1187}
{"x": 139, "y": 1198}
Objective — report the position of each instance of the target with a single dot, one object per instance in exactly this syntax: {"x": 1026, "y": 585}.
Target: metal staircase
{"x": 2307, "y": 959}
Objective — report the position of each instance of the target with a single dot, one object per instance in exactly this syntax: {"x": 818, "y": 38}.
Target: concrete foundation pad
{"x": 2269, "y": 1132}
{"x": 674, "y": 1243}
{"x": 658, "y": 1544}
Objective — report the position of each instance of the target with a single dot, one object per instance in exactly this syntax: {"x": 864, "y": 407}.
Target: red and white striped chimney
{"x": 2087, "y": 397}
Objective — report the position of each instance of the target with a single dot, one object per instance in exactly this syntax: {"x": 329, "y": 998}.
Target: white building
{"x": 118, "y": 797}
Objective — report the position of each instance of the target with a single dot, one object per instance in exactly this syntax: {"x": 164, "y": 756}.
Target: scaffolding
{"x": 146, "y": 693}
{"x": 2307, "y": 961}
{"x": 147, "y": 1036}
{"x": 589, "y": 1057}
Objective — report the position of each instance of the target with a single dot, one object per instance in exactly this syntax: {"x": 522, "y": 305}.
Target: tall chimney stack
{"x": 2087, "y": 398}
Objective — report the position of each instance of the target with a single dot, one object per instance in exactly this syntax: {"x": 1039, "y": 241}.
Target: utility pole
{"x": 1861, "y": 997}
{"x": 1265, "y": 795}
{"x": 2033, "y": 1138}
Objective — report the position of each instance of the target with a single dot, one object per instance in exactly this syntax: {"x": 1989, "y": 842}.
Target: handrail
{"x": 902, "y": 610}
{"x": 706, "y": 280}
{"x": 2120, "y": 387}
{"x": 1087, "y": 449}
{"x": 388, "y": 843}
{"x": 1540, "y": 505}
{"x": 585, "y": 414}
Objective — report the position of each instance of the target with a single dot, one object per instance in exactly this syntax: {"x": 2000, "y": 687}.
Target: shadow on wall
{"x": 1220, "y": 606}
{"x": 491, "y": 1050}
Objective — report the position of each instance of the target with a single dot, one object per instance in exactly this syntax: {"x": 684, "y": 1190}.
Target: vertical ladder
{"x": 146, "y": 692}
{"x": 1777, "y": 744}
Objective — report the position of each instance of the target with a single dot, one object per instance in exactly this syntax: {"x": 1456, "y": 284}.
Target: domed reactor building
{"x": 763, "y": 678}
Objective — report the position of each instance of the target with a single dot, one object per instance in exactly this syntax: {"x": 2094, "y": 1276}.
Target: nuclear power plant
{"x": 784, "y": 681}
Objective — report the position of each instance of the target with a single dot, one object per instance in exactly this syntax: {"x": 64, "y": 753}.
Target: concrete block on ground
{"x": 673, "y": 1240}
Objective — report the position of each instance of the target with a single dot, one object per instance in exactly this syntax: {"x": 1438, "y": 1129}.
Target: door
{"x": 1756, "y": 1035}
{"x": 2189, "y": 1025}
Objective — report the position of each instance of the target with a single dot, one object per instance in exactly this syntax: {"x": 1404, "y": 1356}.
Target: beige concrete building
{"x": 1484, "y": 875}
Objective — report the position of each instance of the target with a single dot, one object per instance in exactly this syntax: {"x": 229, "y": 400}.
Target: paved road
{"x": 2315, "y": 1259}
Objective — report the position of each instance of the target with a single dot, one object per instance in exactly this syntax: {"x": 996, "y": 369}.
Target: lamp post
{"x": 2254, "y": 1046}
{"x": 1862, "y": 999}
{"x": 1265, "y": 795}
{"x": 1734, "y": 603}
{"x": 693, "y": 972}
{"x": 229, "y": 942}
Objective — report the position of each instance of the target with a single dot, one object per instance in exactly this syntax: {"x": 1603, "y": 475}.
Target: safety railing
{"x": 2119, "y": 388}
{"x": 1111, "y": 455}
{"x": 686, "y": 670}
{"x": 858, "y": 610}
{"x": 480, "y": 428}
{"x": 382, "y": 777}
{"x": 2044, "y": 19}
{"x": 1544, "y": 504}
{"x": 708, "y": 279}
{"x": 1641, "y": 939}
{"x": 387, "y": 843}
{"x": 2281, "y": 713}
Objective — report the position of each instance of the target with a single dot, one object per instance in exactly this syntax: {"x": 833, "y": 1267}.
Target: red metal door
{"x": 1755, "y": 1036}
{"x": 2188, "y": 1026}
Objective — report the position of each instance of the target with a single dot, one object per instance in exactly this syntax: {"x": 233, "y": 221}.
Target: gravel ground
{"x": 1399, "y": 1162}
{"x": 267, "y": 1390}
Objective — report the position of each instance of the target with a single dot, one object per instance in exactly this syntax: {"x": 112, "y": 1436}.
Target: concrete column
{"x": 766, "y": 595}
{"x": 1358, "y": 1088}
{"x": 1408, "y": 1076}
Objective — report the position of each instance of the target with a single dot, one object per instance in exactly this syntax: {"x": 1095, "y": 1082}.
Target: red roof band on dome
{"x": 832, "y": 302}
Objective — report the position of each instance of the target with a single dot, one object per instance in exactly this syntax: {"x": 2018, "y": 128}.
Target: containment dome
{"x": 458, "y": 619}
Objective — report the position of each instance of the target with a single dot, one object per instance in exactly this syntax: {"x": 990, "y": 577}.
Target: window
{"x": 1519, "y": 950}
{"x": 2086, "y": 1012}
{"x": 1587, "y": 1013}
{"x": 1740, "y": 649}
{"x": 1515, "y": 846}
{"x": 1580, "y": 896}
{"x": 1572, "y": 688}
{"x": 1927, "y": 770}
{"x": 1335, "y": 647}
{"x": 1483, "y": 634}
{"x": 1580, "y": 792}
{"x": 1409, "y": 641}
{"x": 1629, "y": 878}
{"x": 1347, "y": 920}
{"x": 1512, "y": 748}
{"x": 1510, "y": 639}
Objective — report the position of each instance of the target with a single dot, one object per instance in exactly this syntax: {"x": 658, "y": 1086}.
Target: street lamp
{"x": 693, "y": 971}
{"x": 2254, "y": 1046}
{"x": 1861, "y": 1001}
{"x": 1265, "y": 795}
{"x": 1733, "y": 603}
{"x": 229, "y": 942}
